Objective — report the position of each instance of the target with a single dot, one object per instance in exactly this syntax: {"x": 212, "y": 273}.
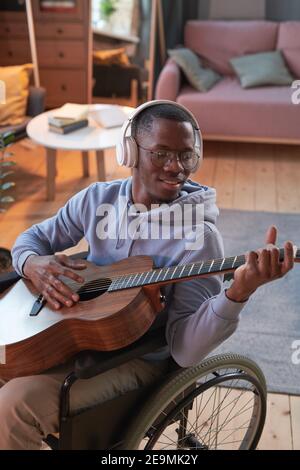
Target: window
{"x": 116, "y": 16}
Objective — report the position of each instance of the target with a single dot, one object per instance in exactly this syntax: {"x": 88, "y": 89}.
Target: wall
{"x": 233, "y": 9}
{"x": 275, "y": 10}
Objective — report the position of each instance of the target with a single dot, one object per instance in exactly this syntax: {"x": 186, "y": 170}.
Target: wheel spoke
{"x": 225, "y": 409}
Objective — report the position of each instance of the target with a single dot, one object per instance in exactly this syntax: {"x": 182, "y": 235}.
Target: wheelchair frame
{"x": 82, "y": 430}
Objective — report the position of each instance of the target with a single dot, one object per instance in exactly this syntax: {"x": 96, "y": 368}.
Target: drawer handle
{"x": 61, "y": 55}
{"x": 64, "y": 87}
{"x": 59, "y": 30}
{"x": 10, "y": 53}
{"x": 7, "y": 29}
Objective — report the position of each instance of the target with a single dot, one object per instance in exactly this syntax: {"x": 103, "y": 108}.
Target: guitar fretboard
{"x": 173, "y": 273}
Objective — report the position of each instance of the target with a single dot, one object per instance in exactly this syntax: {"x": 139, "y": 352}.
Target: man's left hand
{"x": 261, "y": 266}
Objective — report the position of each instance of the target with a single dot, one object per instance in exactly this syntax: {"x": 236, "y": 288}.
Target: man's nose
{"x": 174, "y": 164}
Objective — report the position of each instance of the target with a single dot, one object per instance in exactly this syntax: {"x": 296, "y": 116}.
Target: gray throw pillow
{"x": 200, "y": 78}
{"x": 264, "y": 68}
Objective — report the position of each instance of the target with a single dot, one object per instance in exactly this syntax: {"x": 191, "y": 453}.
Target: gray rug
{"x": 270, "y": 322}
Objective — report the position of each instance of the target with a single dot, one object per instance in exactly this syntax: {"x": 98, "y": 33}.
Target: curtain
{"x": 176, "y": 13}
{"x": 279, "y": 10}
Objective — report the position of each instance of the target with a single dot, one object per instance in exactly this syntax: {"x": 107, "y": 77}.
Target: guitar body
{"x": 110, "y": 321}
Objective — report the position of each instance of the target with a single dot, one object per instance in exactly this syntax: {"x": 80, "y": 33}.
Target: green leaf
{"x": 7, "y": 199}
{"x": 4, "y": 175}
{"x": 7, "y": 185}
{"x": 7, "y": 163}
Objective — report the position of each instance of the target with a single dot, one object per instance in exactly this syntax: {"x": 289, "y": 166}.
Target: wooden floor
{"x": 246, "y": 176}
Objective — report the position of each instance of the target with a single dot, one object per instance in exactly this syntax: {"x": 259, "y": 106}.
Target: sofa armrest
{"x": 36, "y": 101}
{"x": 168, "y": 84}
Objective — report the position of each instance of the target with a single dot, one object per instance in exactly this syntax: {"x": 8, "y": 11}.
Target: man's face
{"x": 162, "y": 184}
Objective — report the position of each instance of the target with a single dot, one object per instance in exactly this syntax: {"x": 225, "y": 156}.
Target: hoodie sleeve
{"x": 55, "y": 234}
{"x": 200, "y": 316}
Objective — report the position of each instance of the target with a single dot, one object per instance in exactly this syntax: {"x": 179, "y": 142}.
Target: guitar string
{"x": 102, "y": 284}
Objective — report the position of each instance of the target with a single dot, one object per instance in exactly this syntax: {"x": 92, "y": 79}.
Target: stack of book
{"x": 69, "y": 118}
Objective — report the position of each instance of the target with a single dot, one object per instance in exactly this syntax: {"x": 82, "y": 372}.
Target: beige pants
{"x": 29, "y": 406}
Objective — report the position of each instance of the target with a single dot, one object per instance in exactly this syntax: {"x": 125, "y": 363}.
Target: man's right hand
{"x": 43, "y": 272}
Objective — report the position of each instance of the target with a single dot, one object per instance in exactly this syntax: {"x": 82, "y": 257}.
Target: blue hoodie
{"x": 199, "y": 315}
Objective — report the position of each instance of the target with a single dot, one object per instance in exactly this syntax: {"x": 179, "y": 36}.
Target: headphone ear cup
{"x": 120, "y": 153}
{"x": 131, "y": 152}
{"x": 199, "y": 150}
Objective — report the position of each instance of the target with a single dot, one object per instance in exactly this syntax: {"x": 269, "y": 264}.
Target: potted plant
{"x": 107, "y": 8}
{"x": 5, "y": 170}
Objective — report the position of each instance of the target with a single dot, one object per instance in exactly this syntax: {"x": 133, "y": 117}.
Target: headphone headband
{"x": 127, "y": 150}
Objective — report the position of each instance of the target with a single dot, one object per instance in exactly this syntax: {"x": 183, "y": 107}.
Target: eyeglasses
{"x": 160, "y": 158}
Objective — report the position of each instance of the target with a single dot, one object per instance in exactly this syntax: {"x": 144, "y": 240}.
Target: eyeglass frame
{"x": 178, "y": 152}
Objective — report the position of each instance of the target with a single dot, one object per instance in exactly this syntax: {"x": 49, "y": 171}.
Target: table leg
{"x": 85, "y": 164}
{"x": 51, "y": 173}
{"x": 100, "y": 165}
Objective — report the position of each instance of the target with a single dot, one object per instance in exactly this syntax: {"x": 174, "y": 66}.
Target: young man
{"x": 200, "y": 315}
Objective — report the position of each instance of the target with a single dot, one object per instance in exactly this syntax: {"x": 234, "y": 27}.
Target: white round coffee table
{"x": 93, "y": 137}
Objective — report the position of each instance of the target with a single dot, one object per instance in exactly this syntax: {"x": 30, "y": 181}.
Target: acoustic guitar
{"x": 118, "y": 304}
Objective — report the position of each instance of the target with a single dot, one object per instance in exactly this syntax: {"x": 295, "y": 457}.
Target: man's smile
{"x": 174, "y": 183}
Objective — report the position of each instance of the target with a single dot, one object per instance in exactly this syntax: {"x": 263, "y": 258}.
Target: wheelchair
{"x": 218, "y": 404}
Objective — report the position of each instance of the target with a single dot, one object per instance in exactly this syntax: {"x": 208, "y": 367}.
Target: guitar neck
{"x": 172, "y": 274}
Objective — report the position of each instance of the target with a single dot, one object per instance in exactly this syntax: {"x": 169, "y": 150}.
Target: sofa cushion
{"x": 16, "y": 79}
{"x": 219, "y": 41}
{"x": 111, "y": 56}
{"x": 264, "y": 68}
{"x": 289, "y": 44}
{"x": 264, "y": 112}
{"x": 200, "y": 78}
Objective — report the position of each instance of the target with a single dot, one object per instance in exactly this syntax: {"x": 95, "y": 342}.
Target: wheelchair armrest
{"x": 91, "y": 363}
{"x": 7, "y": 280}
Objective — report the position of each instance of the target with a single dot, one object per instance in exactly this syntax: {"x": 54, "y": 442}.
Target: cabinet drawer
{"x": 13, "y": 29}
{"x": 76, "y": 13}
{"x": 59, "y": 30}
{"x": 14, "y": 52}
{"x": 64, "y": 86}
{"x": 61, "y": 54}
{"x": 6, "y": 15}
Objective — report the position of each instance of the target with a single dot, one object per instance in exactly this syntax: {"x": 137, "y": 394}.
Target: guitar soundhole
{"x": 94, "y": 289}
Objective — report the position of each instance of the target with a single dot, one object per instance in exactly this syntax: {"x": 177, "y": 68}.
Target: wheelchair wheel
{"x": 218, "y": 404}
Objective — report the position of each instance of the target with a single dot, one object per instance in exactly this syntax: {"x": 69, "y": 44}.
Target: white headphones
{"x": 127, "y": 149}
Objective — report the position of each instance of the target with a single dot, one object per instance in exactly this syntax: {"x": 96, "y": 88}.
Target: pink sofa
{"x": 227, "y": 111}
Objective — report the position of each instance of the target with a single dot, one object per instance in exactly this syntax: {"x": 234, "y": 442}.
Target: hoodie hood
{"x": 191, "y": 193}
{"x": 184, "y": 218}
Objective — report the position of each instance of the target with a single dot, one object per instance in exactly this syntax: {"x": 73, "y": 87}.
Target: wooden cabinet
{"x": 64, "y": 86}
{"x": 14, "y": 38}
{"x": 64, "y": 52}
